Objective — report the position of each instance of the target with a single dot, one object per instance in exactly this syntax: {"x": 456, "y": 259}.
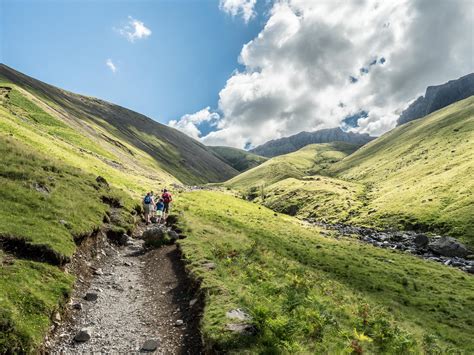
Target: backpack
{"x": 166, "y": 197}
{"x": 147, "y": 200}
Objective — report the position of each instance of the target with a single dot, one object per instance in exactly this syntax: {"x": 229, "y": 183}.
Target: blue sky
{"x": 180, "y": 68}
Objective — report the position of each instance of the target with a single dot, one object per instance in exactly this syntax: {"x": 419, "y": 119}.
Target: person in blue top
{"x": 148, "y": 205}
{"x": 159, "y": 210}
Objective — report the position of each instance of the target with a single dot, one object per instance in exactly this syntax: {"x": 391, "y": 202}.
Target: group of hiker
{"x": 156, "y": 208}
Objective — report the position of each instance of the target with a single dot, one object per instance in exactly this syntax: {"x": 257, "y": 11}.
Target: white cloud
{"x": 298, "y": 69}
{"x": 111, "y": 65}
{"x": 134, "y": 29}
{"x": 189, "y": 123}
{"x": 244, "y": 8}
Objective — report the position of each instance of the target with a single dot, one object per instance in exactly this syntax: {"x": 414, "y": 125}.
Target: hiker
{"x": 159, "y": 210}
{"x": 166, "y": 196}
{"x": 148, "y": 205}
{"x": 153, "y": 210}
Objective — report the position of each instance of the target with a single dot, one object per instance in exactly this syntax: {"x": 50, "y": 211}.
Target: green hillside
{"x": 310, "y": 160}
{"x": 53, "y": 146}
{"x": 420, "y": 174}
{"x": 127, "y": 138}
{"x": 239, "y": 159}
{"x": 312, "y": 294}
{"x": 417, "y": 176}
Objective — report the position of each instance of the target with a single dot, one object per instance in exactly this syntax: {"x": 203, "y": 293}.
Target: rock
{"x": 149, "y": 345}
{"x": 98, "y": 272}
{"x": 448, "y": 246}
{"x": 127, "y": 263}
{"x": 91, "y": 296}
{"x": 238, "y": 314}
{"x": 153, "y": 235}
{"x": 469, "y": 269}
{"x": 83, "y": 335}
{"x": 77, "y": 306}
{"x": 192, "y": 302}
{"x": 101, "y": 181}
{"x": 173, "y": 235}
{"x": 209, "y": 266}
{"x": 243, "y": 329}
{"x": 57, "y": 317}
{"x": 421, "y": 240}
{"x": 179, "y": 323}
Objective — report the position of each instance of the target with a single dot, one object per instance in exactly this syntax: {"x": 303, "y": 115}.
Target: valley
{"x": 261, "y": 255}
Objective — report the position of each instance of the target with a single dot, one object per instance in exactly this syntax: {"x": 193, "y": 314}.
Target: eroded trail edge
{"x": 137, "y": 300}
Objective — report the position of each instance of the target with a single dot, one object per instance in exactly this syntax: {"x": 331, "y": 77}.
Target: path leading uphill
{"x": 144, "y": 300}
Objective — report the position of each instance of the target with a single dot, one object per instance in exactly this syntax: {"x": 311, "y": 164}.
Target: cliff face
{"x": 437, "y": 97}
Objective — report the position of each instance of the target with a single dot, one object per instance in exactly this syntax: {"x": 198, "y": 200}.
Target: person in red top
{"x": 166, "y": 196}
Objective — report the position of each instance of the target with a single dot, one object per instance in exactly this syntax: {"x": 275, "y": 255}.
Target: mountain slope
{"x": 310, "y": 160}
{"x": 437, "y": 97}
{"x": 107, "y": 124}
{"x": 293, "y": 143}
{"x": 239, "y": 159}
{"x": 308, "y": 293}
{"x": 420, "y": 174}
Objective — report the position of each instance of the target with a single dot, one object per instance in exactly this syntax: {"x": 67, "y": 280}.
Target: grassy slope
{"x": 239, "y": 159}
{"x": 49, "y": 196}
{"x": 326, "y": 198}
{"x": 420, "y": 173}
{"x": 135, "y": 136}
{"x": 312, "y": 294}
{"x": 29, "y": 293}
{"x": 309, "y": 160}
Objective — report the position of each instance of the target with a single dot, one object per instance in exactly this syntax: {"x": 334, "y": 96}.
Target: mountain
{"x": 437, "y": 97}
{"x": 107, "y": 124}
{"x": 239, "y": 159}
{"x": 310, "y": 160}
{"x": 293, "y": 143}
{"x": 416, "y": 176}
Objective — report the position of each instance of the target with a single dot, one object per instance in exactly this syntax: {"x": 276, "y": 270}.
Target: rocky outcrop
{"x": 290, "y": 144}
{"x": 437, "y": 97}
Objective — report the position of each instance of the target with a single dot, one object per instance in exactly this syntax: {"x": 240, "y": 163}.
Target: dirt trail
{"x": 141, "y": 296}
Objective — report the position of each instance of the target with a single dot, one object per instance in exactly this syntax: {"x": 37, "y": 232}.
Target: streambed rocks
{"x": 445, "y": 250}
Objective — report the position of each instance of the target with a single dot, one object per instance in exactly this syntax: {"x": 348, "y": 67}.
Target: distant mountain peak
{"x": 437, "y": 97}
{"x": 295, "y": 142}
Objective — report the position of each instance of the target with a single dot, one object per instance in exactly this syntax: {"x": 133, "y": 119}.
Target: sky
{"x": 242, "y": 72}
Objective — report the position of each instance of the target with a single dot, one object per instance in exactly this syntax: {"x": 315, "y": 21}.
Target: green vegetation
{"x": 239, "y": 159}
{"x": 30, "y": 292}
{"x": 322, "y": 197}
{"x": 312, "y": 294}
{"x": 419, "y": 175}
{"x": 114, "y": 137}
{"x": 310, "y": 160}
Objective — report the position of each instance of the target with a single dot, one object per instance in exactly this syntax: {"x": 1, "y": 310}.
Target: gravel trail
{"x": 142, "y": 297}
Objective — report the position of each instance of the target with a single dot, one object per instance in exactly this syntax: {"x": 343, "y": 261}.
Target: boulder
{"x": 237, "y": 314}
{"x": 241, "y": 328}
{"x": 173, "y": 235}
{"x": 421, "y": 240}
{"x": 149, "y": 345}
{"x": 90, "y": 296}
{"x": 448, "y": 246}
{"x": 83, "y": 335}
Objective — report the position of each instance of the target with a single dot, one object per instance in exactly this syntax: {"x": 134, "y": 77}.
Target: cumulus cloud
{"x": 111, "y": 65}
{"x": 190, "y": 123}
{"x": 134, "y": 29}
{"x": 244, "y": 8}
{"x": 317, "y": 62}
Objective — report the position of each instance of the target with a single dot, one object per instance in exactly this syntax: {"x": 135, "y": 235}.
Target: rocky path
{"x": 136, "y": 302}
{"x": 445, "y": 250}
